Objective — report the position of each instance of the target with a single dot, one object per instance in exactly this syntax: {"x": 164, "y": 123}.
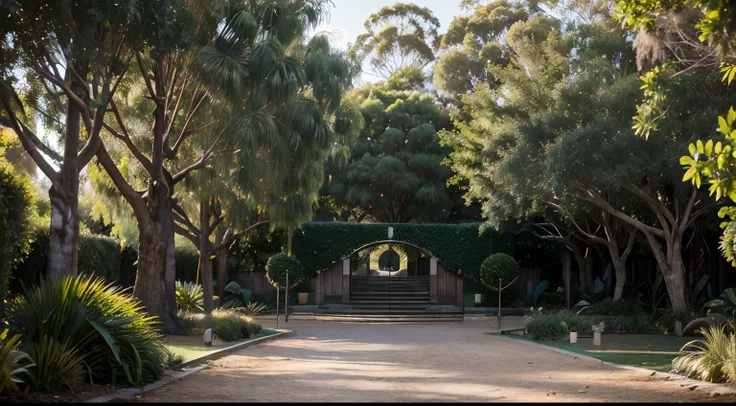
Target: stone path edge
{"x": 713, "y": 389}
{"x": 176, "y": 375}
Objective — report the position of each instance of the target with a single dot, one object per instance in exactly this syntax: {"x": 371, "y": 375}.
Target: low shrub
{"x": 610, "y": 307}
{"x": 189, "y": 297}
{"x": 15, "y": 365}
{"x": 107, "y": 327}
{"x": 711, "y": 359}
{"x": 669, "y": 317}
{"x": 228, "y": 325}
{"x": 555, "y": 324}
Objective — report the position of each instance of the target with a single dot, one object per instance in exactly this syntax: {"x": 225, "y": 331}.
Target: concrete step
{"x": 387, "y": 302}
{"x": 392, "y": 294}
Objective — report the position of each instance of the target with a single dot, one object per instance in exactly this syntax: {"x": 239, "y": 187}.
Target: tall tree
{"x": 393, "y": 172}
{"x": 73, "y": 55}
{"x": 398, "y": 37}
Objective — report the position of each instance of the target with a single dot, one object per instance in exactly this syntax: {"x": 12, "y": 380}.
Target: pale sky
{"x": 347, "y": 18}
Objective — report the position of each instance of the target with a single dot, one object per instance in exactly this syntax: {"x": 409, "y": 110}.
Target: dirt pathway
{"x": 331, "y": 362}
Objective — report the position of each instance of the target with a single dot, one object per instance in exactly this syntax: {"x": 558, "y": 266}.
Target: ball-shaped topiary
{"x": 277, "y": 266}
{"x": 498, "y": 266}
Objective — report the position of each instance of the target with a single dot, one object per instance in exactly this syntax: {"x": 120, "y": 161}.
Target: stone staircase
{"x": 377, "y": 295}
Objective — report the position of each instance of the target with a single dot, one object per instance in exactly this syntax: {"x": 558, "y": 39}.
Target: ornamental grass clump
{"x": 99, "y": 322}
{"x": 226, "y": 324}
{"x": 711, "y": 359}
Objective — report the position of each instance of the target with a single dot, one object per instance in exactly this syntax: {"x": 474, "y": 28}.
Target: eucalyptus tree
{"x": 398, "y": 37}
{"x": 60, "y": 64}
{"x": 289, "y": 164}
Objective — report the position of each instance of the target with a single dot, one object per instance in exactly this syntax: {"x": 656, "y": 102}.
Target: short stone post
{"x": 597, "y": 338}
{"x": 678, "y": 328}
{"x": 573, "y": 337}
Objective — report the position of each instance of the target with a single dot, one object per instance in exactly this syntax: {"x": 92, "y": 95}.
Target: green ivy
{"x": 460, "y": 247}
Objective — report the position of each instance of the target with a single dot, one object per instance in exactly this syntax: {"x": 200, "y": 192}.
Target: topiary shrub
{"x": 498, "y": 266}
{"x": 107, "y": 328}
{"x": 278, "y": 265}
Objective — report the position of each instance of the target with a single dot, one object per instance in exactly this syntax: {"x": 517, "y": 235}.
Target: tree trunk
{"x": 205, "y": 264}
{"x": 155, "y": 282}
{"x": 221, "y": 261}
{"x": 64, "y": 233}
{"x": 566, "y": 271}
{"x": 620, "y": 269}
{"x": 674, "y": 277}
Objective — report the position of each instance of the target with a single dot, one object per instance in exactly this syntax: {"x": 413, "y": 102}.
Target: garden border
{"x": 175, "y": 375}
{"x": 713, "y": 389}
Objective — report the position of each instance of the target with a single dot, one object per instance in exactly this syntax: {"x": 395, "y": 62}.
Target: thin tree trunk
{"x": 566, "y": 271}
{"x": 221, "y": 261}
{"x": 620, "y": 270}
{"x": 205, "y": 265}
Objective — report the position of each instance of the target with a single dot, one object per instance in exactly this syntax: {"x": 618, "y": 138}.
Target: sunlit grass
{"x": 192, "y": 347}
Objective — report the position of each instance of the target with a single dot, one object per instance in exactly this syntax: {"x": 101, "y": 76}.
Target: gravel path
{"x": 332, "y": 362}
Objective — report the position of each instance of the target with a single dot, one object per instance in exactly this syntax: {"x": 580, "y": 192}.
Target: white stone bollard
{"x": 573, "y": 337}
{"x": 207, "y": 337}
{"x": 678, "y": 328}
{"x": 597, "y": 338}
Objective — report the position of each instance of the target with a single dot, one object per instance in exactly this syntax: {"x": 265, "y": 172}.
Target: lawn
{"x": 651, "y": 351}
{"x": 191, "y": 347}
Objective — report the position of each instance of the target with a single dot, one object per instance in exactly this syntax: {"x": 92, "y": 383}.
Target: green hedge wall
{"x": 98, "y": 254}
{"x": 458, "y": 246}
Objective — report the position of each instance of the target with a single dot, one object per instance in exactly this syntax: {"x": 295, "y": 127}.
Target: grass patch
{"x": 191, "y": 347}
{"x": 651, "y": 351}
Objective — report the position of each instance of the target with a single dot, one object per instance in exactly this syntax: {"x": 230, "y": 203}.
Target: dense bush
{"x": 610, "y": 307}
{"x": 711, "y": 359}
{"x": 228, "y": 325}
{"x": 498, "y": 266}
{"x": 56, "y": 364}
{"x": 189, "y": 297}
{"x": 117, "y": 341}
{"x": 278, "y": 265}
{"x": 16, "y": 203}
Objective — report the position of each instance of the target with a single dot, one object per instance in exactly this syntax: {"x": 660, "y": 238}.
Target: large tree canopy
{"x": 395, "y": 172}
{"x": 397, "y": 37}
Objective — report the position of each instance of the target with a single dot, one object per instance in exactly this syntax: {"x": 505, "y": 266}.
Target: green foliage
{"x": 460, "y": 247}
{"x": 173, "y": 360}
{"x": 277, "y": 268}
{"x": 228, "y": 325}
{"x": 253, "y": 250}
{"x": 397, "y": 37}
{"x": 555, "y": 324}
{"x": 669, "y": 317}
{"x": 539, "y": 290}
{"x": 15, "y": 365}
{"x": 16, "y": 207}
{"x": 395, "y": 172}
{"x": 106, "y": 327}
{"x": 497, "y": 267}
{"x": 250, "y": 309}
{"x": 97, "y": 254}
{"x": 621, "y": 307}
{"x": 724, "y": 304}
{"x": 552, "y": 325}
{"x": 189, "y": 297}
{"x": 710, "y": 359}
{"x": 56, "y": 364}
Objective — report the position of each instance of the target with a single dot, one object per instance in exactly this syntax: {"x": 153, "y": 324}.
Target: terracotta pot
{"x": 303, "y": 297}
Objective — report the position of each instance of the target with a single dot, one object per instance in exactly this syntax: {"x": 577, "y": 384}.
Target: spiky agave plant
{"x": 15, "y": 365}
{"x": 189, "y": 297}
{"x": 108, "y": 327}
{"x": 706, "y": 359}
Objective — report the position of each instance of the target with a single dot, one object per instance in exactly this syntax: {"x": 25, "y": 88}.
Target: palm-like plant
{"x": 15, "y": 365}
{"x": 107, "y": 327}
{"x": 188, "y": 297}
